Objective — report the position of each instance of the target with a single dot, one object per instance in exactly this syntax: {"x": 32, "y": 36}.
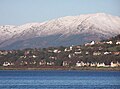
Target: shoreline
{"x": 64, "y": 68}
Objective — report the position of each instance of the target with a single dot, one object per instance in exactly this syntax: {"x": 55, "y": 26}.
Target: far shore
{"x": 63, "y": 68}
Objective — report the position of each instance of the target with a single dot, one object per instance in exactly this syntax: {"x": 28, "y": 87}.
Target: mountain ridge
{"x": 98, "y": 25}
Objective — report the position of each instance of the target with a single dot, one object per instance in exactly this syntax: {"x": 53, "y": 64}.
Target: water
{"x": 59, "y": 80}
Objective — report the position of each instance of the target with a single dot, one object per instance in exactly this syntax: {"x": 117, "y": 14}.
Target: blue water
{"x": 59, "y": 80}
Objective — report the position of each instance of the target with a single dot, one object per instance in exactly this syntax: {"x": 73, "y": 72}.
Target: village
{"x": 92, "y": 54}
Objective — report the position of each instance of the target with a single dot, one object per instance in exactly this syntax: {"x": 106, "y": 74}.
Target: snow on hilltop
{"x": 99, "y": 23}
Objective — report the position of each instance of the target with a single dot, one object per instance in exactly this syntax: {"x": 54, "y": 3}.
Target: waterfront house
{"x": 80, "y": 64}
{"x": 7, "y": 64}
{"x": 113, "y": 64}
{"x": 93, "y": 64}
{"x": 66, "y": 63}
{"x": 42, "y": 62}
{"x": 100, "y": 64}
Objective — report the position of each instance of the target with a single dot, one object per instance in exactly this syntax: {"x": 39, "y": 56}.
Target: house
{"x": 92, "y": 43}
{"x": 107, "y": 53}
{"x": 100, "y": 64}
{"x": 71, "y": 47}
{"x": 96, "y": 53}
{"x": 115, "y": 64}
{"x": 86, "y": 53}
{"x": 50, "y": 63}
{"x": 109, "y": 42}
{"x": 93, "y": 64}
{"x": 56, "y": 51}
{"x": 66, "y": 50}
{"x": 116, "y": 53}
{"x": 66, "y": 63}
{"x": 42, "y": 62}
{"x": 87, "y": 64}
{"x": 25, "y": 62}
{"x": 7, "y": 64}
{"x": 34, "y": 56}
{"x": 69, "y": 56}
{"x": 80, "y": 64}
{"x": 77, "y": 52}
{"x": 118, "y": 42}
{"x": 3, "y": 52}
{"x": 89, "y": 44}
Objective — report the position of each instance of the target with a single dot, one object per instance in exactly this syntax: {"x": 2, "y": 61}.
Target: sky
{"x": 18, "y": 12}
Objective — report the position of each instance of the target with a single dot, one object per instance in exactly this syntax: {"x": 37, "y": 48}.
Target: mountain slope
{"x": 62, "y": 31}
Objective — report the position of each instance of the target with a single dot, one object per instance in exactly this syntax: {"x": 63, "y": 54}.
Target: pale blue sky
{"x": 17, "y": 12}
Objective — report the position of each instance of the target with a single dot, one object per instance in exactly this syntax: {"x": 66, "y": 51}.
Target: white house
{"x": 34, "y": 56}
{"x": 71, "y": 47}
{"x": 100, "y": 64}
{"x": 69, "y": 56}
{"x": 89, "y": 44}
{"x": 50, "y": 63}
{"x": 86, "y": 53}
{"x": 96, "y": 53}
{"x": 106, "y": 53}
{"x": 92, "y": 64}
{"x": 56, "y": 51}
{"x": 42, "y": 62}
{"x": 78, "y": 64}
{"x": 7, "y": 64}
{"x": 114, "y": 64}
{"x": 118, "y": 42}
{"x": 77, "y": 52}
{"x": 92, "y": 43}
{"x": 65, "y": 63}
{"x": 109, "y": 42}
{"x": 66, "y": 50}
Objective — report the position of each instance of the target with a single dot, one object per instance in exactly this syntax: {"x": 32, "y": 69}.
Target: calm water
{"x": 59, "y": 80}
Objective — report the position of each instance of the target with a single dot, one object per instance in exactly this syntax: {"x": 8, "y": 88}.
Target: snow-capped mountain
{"x": 70, "y": 30}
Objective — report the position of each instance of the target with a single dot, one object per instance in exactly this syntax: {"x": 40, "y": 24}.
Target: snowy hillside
{"x": 98, "y": 25}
